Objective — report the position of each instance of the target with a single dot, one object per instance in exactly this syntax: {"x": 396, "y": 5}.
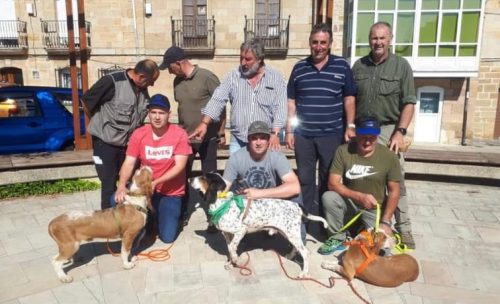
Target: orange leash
{"x": 156, "y": 255}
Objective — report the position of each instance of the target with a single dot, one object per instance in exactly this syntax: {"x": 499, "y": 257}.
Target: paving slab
{"x": 456, "y": 227}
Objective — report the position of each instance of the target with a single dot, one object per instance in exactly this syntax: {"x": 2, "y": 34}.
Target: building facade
{"x": 451, "y": 45}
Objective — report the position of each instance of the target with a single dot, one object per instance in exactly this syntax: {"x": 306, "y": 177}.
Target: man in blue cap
{"x": 360, "y": 173}
{"x": 165, "y": 148}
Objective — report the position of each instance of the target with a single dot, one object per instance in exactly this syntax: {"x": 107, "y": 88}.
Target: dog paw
{"x": 128, "y": 265}
{"x": 66, "y": 279}
{"x": 329, "y": 265}
{"x": 228, "y": 265}
{"x": 302, "y": 275}
{"x": 133, "y": 259}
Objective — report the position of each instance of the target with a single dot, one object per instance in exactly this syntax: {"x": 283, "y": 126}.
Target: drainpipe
{"x": 466, "y": 105}
{"x": 135, "y": 28}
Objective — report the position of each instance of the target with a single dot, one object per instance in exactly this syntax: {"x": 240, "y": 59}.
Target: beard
{"x": 252, "y": 71}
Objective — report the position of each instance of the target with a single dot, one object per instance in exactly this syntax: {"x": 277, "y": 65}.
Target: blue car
{"x": 37, "y": 119}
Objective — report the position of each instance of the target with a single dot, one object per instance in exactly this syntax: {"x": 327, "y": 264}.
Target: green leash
{"x": 355, "y": 218}
{"x": 216, "y": 215}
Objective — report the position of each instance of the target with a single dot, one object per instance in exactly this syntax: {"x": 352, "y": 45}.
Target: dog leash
{"x": 156, "y": 255}
{"x": 355, "y": 218}
{"x": 331, "y": 280}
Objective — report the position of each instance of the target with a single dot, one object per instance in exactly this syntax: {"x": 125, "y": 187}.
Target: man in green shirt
{"x": 361, "y": 172}
{"x": 193, "y": 88}
{"x": 386, "y": 90}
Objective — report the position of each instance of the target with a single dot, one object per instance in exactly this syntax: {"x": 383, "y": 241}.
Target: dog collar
{"x": 140, "y": 209}
{"x": 217, "y": 214}
{"x": 222, "y": 194}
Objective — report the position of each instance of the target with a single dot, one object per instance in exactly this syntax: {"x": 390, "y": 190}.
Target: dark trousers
{"x": 308, "y": 151}
{"x": 108, "y": 160}
{"x": 208, "y": 156}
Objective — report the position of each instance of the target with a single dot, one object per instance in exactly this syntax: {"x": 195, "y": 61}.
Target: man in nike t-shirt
{"x": 360, "y": 173}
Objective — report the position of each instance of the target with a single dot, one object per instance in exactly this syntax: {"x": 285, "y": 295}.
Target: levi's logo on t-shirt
{"x": 159, "y": 153}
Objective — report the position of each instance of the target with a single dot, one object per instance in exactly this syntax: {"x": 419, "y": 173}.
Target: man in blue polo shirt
{"x": 321, "y": 97}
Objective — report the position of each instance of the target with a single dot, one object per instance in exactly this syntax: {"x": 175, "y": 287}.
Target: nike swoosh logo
{"x": 358, "y": 176}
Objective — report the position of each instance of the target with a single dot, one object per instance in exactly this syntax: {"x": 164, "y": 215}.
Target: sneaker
{"x": 330, "y": 246}
{"x": 407, "y": 239}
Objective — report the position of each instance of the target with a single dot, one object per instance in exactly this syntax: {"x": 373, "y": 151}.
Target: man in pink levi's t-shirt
{"x": 165, "y": 148}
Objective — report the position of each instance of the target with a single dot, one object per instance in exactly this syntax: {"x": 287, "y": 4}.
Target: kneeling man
{"x": 360, "y": 174}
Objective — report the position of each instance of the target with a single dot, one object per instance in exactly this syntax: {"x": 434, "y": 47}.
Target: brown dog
{"x": 363, "y": 262}
{"x": 125, "y": 222}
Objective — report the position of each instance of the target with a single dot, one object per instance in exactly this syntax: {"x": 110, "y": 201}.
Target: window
{"x": 63, "y": 78}
{"x": 18, "y": 105}
{"x": 425, "y": 31}
{"x": 11, "y": 76}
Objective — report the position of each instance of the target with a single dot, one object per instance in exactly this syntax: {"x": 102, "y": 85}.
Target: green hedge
{"x": 46, "y": 188}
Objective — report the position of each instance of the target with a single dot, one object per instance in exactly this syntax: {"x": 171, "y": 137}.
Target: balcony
{"x": 55, "y": 37}
{"x": 195, "y": 36}
{"x": 273, "y": 32}
{"x": 13, "y": 37}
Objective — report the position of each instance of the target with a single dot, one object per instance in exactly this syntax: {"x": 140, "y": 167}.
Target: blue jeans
{"x": 235, "y": 144}
{"x": 168, "y": 213}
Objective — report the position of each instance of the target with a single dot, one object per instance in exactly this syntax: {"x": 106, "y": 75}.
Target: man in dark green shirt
{"x": 360, "y": 174}
{"x": 386, "y": 90}
{"x": 193, "y": 88}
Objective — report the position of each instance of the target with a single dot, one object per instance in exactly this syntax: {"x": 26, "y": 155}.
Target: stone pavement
{"x": 456, "y": 226}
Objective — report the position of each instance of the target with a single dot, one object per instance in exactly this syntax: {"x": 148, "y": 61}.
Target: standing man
{"x": 321, "y": 94}
{"x": 116, "y": 104}
{"x": 193, "y": 87}
{"x": 255, "y": 91}
{"x": 387, "y": 92}
{"x": 361, "y": 172}
{"x": 165, "y": 148}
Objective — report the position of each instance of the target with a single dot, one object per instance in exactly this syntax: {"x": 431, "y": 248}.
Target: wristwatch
{"x": 401, "y": 130}
{"x": 275, "y": 133}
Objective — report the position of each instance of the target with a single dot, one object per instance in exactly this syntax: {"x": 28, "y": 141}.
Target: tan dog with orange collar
{"x": 362, "y": 261}
{"x": 125, "y": 222}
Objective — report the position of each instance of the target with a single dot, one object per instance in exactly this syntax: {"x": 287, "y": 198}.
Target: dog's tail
{"x": 316, "y": 218}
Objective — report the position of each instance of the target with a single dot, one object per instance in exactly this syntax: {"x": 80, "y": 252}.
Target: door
{"x": 8, "y": 24}
{"x": 428, "y": 111}
{"x": 194, "y": 23}
{"x": 267, "y": 22}
{"x": 62, "y": 26}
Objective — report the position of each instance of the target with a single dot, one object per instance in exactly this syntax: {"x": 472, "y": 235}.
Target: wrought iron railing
{"x": 55, "y": 34}
{"x": 194, "y": 33}
{"x": 274, "y": 32}
{"x": 13, "y": 34}
{"x": 105, "y": 71}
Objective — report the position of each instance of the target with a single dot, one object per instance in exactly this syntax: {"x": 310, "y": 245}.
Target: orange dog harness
{"x": 369, "y": 256}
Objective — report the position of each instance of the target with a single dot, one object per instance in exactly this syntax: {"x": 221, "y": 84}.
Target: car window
{"x": 66, "y": 100}
{"x": 18, "y": 105}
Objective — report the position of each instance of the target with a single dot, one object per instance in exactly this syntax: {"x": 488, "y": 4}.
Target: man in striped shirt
{"x": 255, "y": 91}
{"x": 321, "y": 99}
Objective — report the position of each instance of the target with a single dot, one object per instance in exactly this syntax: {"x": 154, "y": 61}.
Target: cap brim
{"x": 367, "y": 131}
{"x": 259, "y": 132}
{"x": 164, "y": 65}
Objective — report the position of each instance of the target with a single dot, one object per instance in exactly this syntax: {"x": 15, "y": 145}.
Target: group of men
{"x": 324, "y": 104}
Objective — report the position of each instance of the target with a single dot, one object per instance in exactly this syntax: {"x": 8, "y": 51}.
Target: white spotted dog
{"x": 125, "y": 221}
{"x": 261, "y": 214}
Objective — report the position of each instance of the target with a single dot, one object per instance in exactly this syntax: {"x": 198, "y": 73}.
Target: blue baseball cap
{"x": 367, "y": 126}
{"x": 159, "y": 101}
